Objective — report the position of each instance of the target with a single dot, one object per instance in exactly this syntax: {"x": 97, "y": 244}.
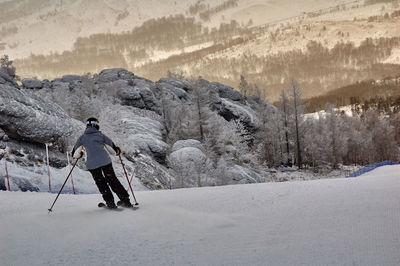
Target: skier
{"x": 99, "y": 163}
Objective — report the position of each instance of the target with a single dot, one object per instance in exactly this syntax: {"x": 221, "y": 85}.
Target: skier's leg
{"x": 101, "y": 183}
{"x": 115, "y": 185}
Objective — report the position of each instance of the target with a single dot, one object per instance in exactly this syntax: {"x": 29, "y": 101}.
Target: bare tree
{"x": 296, "y": 95}
{"x": 285, "y": 112}
{"x": 243, "y": 85}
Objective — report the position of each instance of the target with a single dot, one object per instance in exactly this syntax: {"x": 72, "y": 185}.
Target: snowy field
{"x": 353, "y": 221}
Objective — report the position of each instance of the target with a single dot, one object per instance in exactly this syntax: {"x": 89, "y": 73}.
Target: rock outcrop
{"x": 131, "y": 111}
{"x": 187, "y": 143}
{"x": 25, "y": 116}
{"x": 32, "y": 84}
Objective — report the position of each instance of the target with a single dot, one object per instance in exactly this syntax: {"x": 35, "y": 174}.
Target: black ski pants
{"x": 105, "y": 179}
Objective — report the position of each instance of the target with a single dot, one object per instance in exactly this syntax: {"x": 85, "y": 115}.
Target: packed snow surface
{"x": 348, "y": 221}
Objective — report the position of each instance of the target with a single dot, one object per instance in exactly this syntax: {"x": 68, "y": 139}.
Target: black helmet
{"x": 93, "y": 122}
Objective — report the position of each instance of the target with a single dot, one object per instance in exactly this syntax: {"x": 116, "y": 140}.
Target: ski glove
{"x": 118, "y": 150}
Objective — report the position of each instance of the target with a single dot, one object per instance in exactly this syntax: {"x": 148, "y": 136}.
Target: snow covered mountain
{"x": 352, "y": 221}
{"x": 323, "y": 44}
{"x": 27, "y": 25}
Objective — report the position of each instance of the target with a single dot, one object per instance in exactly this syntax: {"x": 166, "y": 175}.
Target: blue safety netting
{"x": 371, "y": 167}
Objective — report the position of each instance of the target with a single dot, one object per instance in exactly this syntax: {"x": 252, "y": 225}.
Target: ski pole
{"x": 48, "y": 165}
{"x": 127, "y": 179}
{"x": 132, "y": 176}
{"x": 8, "y": 179}
{"x": 70, "y": 172}
{"x": 72, "y": 180}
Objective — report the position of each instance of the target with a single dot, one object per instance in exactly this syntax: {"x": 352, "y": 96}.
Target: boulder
{"x": 139, "y": 94}
{"x": 32, "y": 84}
{"x": 174, "y": 89}
{"x": 186, "y": 156}
{"x": 240, "y": 175}
{"x": 70, "y": 78}
{"x": 133, "y": 130}
{"x": 5, "y": 78}
{"x": 189, "y": 164}
{"x": 151, "y": 174}
{"x": 177, "y": 92}
{"x": 176, "y": 83}
{"x": 145, "y": 143}
{"x": 236, "y": 111}
{"x": 227, "y": 92}
{"x": 24, "y": 184}
{"x": 187, "y": 143}
{"x": 25, "y": 116}
{"x": 46, "y": 83}
{"x": 58, "y": 84}
{"x": 114, "y": 74}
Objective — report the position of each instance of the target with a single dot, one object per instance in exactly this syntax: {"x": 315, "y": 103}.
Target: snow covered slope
{"x": 324, "y": 222}
{"x": 30, "y": 26}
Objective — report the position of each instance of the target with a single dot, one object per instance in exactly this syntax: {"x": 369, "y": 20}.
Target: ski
{"x": 103, "y": 205}
{"x": 133, "y": 207}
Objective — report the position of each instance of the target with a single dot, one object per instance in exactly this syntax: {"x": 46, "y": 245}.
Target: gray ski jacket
{"x": 93, "y": 141}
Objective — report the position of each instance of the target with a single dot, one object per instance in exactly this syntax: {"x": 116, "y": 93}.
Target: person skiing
{"x": 99, "y": 163}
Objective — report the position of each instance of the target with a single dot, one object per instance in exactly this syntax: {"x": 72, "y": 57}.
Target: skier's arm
{"x": 77, "y": 145}
{"x": 110, "y": 143}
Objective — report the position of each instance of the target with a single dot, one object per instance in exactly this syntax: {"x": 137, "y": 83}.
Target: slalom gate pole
{"x": 133, "y": 175}
{"x": 72, "y": 180}
{"x": 127, "y": 179}
{"x": 48, "y": 165}
{"x": 70, "y": 172}
{"x": 8, "y": 179}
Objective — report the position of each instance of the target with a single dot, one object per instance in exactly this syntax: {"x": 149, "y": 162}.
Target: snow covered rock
{"x": 177, "y": 83}
{"x": 150, "y": 173}
{"x": 24, "y": 184}
{"x": 129, "y": 109}
{"x": 180, "y": 88}
{"x": 149, "y": 145}
{"x": 71, "y": 78}
{"x": 59, "y": 84}
{"x": 137, "y": 93}
{"x": 233, "y": 111}
{"x": 25, "y": 116}
{"x": 114, "y": 74}
{"x": 4, "y": 79}
{"x": 240, "y": 175}
{"x": 189, "y": 164}
{"x": 32, "y": 84}
{"x": 227, "y": 92}
{"x": 187, "y": 155}
{"x": 2, "y": 133}
{"x": 133, "y": 130}
{"x": 187, "y": 143}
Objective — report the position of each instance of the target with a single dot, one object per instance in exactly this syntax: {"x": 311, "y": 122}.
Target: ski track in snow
{"x": 348, "y": 221}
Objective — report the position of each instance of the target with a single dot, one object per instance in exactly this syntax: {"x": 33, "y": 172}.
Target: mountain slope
{"x": 323, "y": 45}
{"x": 324, "y": 222}
{"x": 30, "y": 26}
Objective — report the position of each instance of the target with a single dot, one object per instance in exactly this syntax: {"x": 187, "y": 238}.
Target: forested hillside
{"x": 323, "y": 50}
